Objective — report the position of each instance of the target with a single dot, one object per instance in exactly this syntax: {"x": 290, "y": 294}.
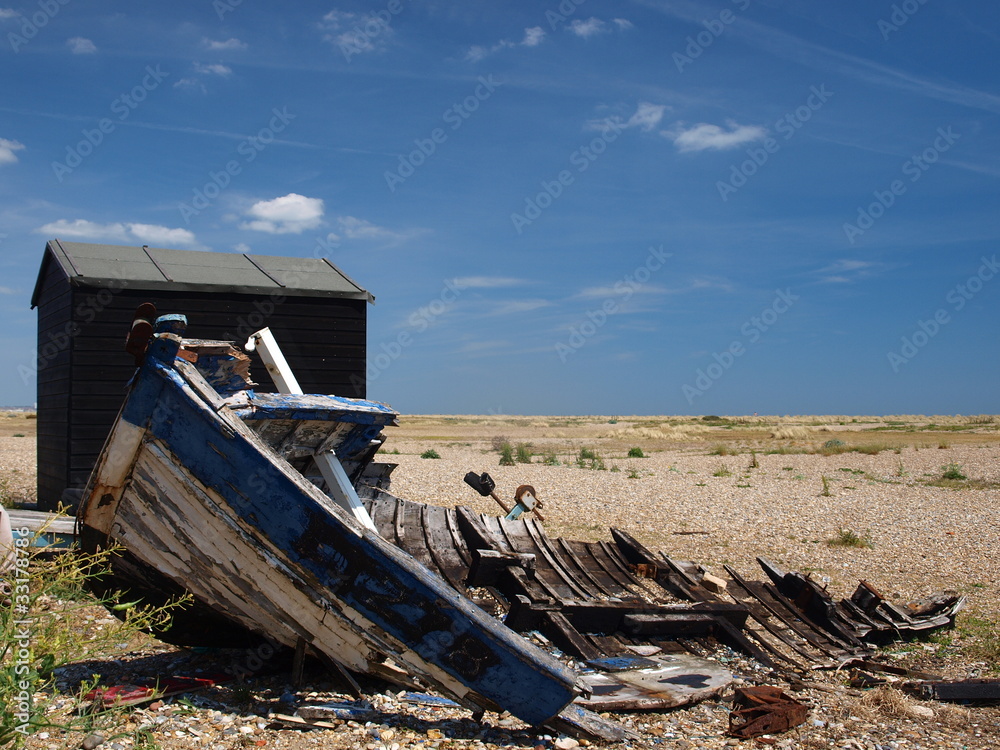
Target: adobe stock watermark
{"x": 901, "y": 13}
{"x": 957, "y": 298}
{"x": 360, "y": 38}
{"x": 264, "y": 308}
{"x": 218, "y": 180}
{"x": 915, "y": 167}
{"x": 552, "y": 189}
{"x": 418, "y": 321}
{"x": 455, "y": 116}
{"x": 787, "y": 125}
{"x": 751, "y": 331}
{"x": 31, "y": 25}
{"x": 19, "y": 647}
{"x": 562, "y": 13}
{"x": 224, "y": 7}
{"x": 621, "y": 292}
{"x": 123, "y": 106}
{"x": 714, "y": 27}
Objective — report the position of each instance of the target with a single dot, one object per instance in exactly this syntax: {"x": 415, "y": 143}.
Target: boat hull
{"x": 191, "y": 491}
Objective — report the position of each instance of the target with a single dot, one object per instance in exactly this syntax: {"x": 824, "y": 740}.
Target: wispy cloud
{"x": 533, "y": 36}
{"x": 703, "y": 136}
{"x": 646, "y": 117}
{"x": 586, "y": 28}
{"x": 78, "y": 45}
{"x": 81, "y": 229}
{"x": 790, "y": 47}
{"x": 288, "y": 214}
{"x": 848, "y": 270}
{"x": 519, "y": 306}
{"x": 488, "y": 282}
{"x": 228, "y": 45}
{"x": 8, "y": 13}
{"x": 7, "y": 149}
{"x": 591, "y": 27}
{"x": 344, "y": 29}
{"x": 216, "y": 69}
{"x": 362, "y": 230}
{"x": 602, "y": 292}
{"x": 190, "y": 83}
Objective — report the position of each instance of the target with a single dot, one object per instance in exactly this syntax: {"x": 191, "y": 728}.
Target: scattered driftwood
{"x": 982, "y": 690}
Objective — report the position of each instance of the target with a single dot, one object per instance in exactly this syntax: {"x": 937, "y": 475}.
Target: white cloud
{"x": 847, "y": 265}
{"x": 360, "y": 229}
{"x": 190, "y": 83}
{"x": 7, "y": 149}
{"x": 353, "y": 228}
{"x": 7, "y": 290}
{"x": 846, "y": 271}
{"x": 599, "y": 292}
{"x": 242, "y": 247}
{"x": 704, "y": 136}
{"x": 217, "y": 69}
{"x": 154, "y": 234}
{"x": 7, "y": 13}
{"x": 78, "y": 45}
{"x": 533, "y": 36}
{"x": 623, "y": 24}
{"x": 81, "y": 229}
{"x": 354, "y": 39}
{"x": 588, "y": 28}
{"x": 486, "y": 282}
{"x": 647, "y": 116}
{"x": 229, "y": 44}
{"x": 289, "y": 214}
{"x": 516, "y": 306}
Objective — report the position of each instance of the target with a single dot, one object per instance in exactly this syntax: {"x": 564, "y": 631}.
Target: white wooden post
{"x": 338, "y": 485}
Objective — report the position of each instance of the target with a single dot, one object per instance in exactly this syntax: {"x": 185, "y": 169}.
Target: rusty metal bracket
{"x": 762, "y": 710}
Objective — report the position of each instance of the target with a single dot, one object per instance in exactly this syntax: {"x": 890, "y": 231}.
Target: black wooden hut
{"x": 86, "y": 295}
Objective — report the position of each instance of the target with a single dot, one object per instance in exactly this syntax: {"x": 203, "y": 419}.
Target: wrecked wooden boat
{"x": 270, "y": 510}
{"x": 196, "y": 482}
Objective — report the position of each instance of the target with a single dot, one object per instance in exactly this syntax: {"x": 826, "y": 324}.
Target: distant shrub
{"x": 430, "y": 453}
{"x": 833, "y": 444}
{"x": 636, "y": 453}
{"x": 711, "y": 418}
{"x": 722, "y": 471}
{"x": 523, "y": 453}
{"x": 588, "y": 459}
{"x": 498, "y": 441}
{"x": 848, "y": 538}
{"x": 506, "y": 454}
{"x": 721, "y": 449}
{"x": 952, "y": 471}
{"x": 551, "y": 459}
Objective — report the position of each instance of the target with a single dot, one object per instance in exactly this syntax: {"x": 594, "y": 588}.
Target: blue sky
{"x": 616, "y": 208}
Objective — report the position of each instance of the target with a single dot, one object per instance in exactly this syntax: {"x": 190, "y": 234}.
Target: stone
{"x": 92, "y": 740}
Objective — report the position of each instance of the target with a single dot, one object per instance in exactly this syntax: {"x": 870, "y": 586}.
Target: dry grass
{"x": 886, "y": 702}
